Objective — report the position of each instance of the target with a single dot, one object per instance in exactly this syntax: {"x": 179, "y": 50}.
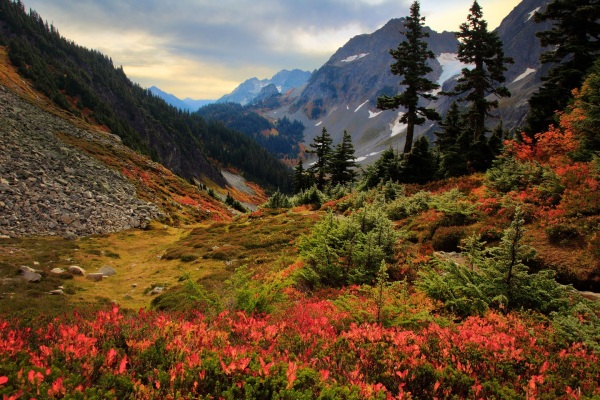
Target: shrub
{"x": 404, "y": 207}
{"x": 562, "y": 233}
{"x": 457, "y": 209}
{"x": 496, "y": 277}
{"x": 447, "y": 238}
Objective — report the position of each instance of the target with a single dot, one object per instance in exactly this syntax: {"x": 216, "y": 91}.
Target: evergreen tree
{"x": 588, "y": 101}
{"x": 388, "y": 167}
{"x": 411, "y": 62}
{"x": 343, "y": 162}
{"x": 575, "y": 41}
{"x": 300, "y": 180}
{"x": 451, "y": 143}
{"x": 419, "y": 165}
{"x": 482, "y": 49}
{"x": 322, "y": 149}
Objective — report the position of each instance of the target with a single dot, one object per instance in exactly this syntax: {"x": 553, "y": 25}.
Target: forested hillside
{"x": 86, "y": 83}
{"x": 281, "y": 138}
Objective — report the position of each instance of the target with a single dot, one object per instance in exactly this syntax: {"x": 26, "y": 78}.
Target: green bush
{"x": 495, "y": 277}
{"x": 457, "y": 209}
{"x": 404, "y": 207}
{"x": 347, "y": 250}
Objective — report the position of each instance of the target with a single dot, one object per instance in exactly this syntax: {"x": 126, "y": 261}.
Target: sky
{"x": 203, "y": 49}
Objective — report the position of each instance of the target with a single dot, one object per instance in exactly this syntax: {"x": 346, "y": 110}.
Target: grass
{"x": 207, "y": 254}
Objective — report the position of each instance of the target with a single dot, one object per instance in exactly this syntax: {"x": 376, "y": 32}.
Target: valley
{"x": 150, "y": 252}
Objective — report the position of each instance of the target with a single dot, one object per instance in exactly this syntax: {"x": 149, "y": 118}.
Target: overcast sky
{"x": 203, "y": 49}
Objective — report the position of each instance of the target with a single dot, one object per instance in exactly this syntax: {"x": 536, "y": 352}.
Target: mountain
{"x": 283, "y": 81}
{"x": 194, "y": 105}
{"x": 86, "y": 84}
{"x": 186, "y": 104}
{"x": 342, "y": 94}
{"x": 517, "y": 32}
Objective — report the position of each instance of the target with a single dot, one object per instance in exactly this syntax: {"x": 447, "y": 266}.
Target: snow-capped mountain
{"x": 284, "y": 81}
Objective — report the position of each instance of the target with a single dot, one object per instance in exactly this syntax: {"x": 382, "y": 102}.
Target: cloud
{"x": 205, "y": 48}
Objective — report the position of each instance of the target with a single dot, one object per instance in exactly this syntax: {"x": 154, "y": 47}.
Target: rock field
{"x": 50, "y": 188}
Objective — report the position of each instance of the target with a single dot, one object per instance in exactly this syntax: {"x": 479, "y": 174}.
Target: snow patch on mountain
{"x": 355, "y": 57}
{"x": 531, "y": 14}
{"x": 363, "y": 158}
{"x": 373, "y": 114}
{"x": 398, "y": 127}
{"x": 451, "y": 66}
{"x": 524, "y": 74}
{"x": 318, "y": 123}
{"x": 358, "y": 108}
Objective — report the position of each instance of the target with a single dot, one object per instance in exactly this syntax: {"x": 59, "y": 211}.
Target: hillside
{"x": 86, "y": 84}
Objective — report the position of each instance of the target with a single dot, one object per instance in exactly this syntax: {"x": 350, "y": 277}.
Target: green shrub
{"x": 347, "y": 250}
{"x": 457, "y": 209}
{"x": 496, "y": 277}
{"x": 404, "y": 207}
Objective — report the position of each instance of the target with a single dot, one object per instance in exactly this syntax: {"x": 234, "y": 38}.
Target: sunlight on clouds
{"x": 188, "y": 78}
{"x": 442, "y": 16}
{"x": 323, "y": 41}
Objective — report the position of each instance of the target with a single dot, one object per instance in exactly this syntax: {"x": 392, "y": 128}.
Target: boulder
{"x": 157, "y": 290}
{"x": 57, "y": 270}
{"x": 96, "y": 277}
{"x": 107, "y": 270}
{"x": 76, "y": 270}
{"x": 29, "y": 274}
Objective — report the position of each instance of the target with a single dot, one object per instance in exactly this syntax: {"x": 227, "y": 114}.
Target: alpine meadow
{"x": 417, "y": 218}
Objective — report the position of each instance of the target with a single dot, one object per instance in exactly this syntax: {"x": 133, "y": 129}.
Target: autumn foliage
{"x": 312, "y": 350}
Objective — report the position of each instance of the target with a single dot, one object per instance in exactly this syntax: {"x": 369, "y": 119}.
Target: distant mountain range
{"x": 185, "y": 104}
{"x": 281, "y": 82}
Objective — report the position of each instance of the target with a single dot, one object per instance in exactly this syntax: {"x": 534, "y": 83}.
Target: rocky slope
{"x": 48, "y": 187}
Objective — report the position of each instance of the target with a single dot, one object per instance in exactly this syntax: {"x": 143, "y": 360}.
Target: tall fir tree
{"x": 343, "y": 162}
{"x": 482, "y": 49}
{"x": 575, "y": 45}
{"x": 411, "y": 58}
{"x": 300, "y": 179}
{"x": 452, "y": 142}
{"x": 322, "y": 150}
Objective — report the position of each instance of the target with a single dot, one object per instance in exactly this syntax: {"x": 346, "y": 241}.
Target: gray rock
{"x": 56, "y": 292}
{"x": 157, "y": 290}
{"x": 107, "y": 270}
{"x": 96, "y": 277}
{"x": 30, "y": 275}
{"x": 57, "y": 270}
{"x": 76, "y": 270}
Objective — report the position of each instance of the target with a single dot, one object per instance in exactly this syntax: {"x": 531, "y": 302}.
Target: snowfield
{"x": 524, "y": 74}
{"x": 355, "y": 57}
